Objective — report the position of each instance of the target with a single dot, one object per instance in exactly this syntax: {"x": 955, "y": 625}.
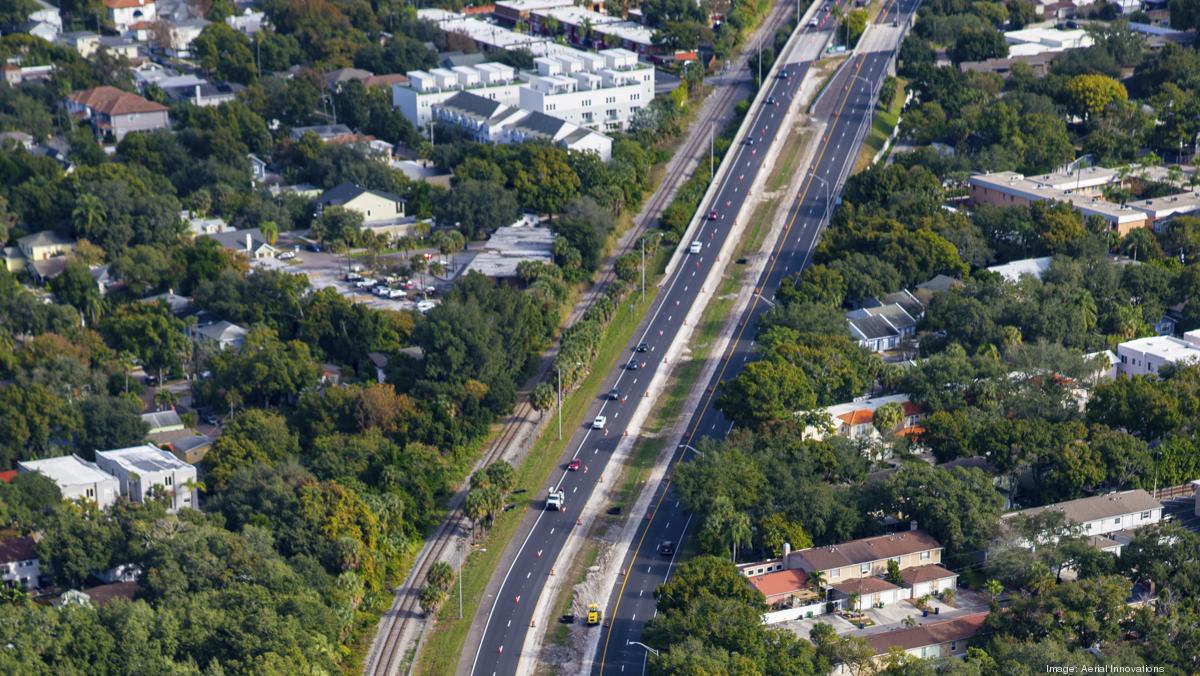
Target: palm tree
{"x": 270, "y": 232}
{"x": 994, "y": 589}
{"x": 88, "y": 213}
{"x": 739, "y": 531}
{"x": 816, "y": 580}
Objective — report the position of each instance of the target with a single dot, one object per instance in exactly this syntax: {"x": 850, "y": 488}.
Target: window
{"x": 866, "y": 568}
{"x": 925, "y": 556}
{"x": 954, "y": 646}
{"x": 1145, "y": 515}
{"x": 1117, "y": 521}
{"x": 170, "y": 481}
{"x": 91, "y": 492}
{"x": 836, "y": 572}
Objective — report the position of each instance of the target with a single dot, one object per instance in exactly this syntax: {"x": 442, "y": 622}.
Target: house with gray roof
{"x": 1110, "y": 515}
{"x": 883, "y": 327}
{"x": 223, "y": 334}
{"x": 491, "y": 121}
{"x": 141, "y": 469}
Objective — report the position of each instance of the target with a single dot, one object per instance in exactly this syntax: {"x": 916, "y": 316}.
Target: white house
{"x": 140, "y": 468}
{"x": 493, "y": 122}
{"x": 856, "y": 419}
{"x": 19, "y": 563}
{"x": 1104, "y": 514}
{"x": 494, "y": 81}
{"x": 1146, "y": 356}
{"x": 77, "y": 478}
{"x": 123, "y": 13}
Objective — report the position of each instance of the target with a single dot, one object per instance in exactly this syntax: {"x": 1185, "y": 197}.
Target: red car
{"x": 574, "y": 465}
{"x": 712, "y": 215}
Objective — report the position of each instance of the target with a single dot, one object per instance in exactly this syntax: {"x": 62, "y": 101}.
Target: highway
{"x": 511, "y": 610}
{"x": 847, "y": 106}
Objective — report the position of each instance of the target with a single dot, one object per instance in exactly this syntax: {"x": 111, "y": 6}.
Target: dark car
{"x": 614, "y": 394}
{"x": 771, "y": 101}
{"x": 315, "y": 248}
{"x": 643, "y": 347}
{"x": 750, "y": 141}
{"x": 712, "y": 215}
{"x": 666, "y": 547}
{"x": 633, "y": 365}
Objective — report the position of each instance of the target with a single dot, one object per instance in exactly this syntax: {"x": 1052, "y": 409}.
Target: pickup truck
{"x": 556, "y": 500}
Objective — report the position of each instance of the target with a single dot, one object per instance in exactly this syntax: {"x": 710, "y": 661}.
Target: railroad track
{"x": 385, "y": 655}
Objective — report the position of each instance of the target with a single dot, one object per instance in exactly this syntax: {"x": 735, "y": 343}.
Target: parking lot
{"x": 331, "y": 270}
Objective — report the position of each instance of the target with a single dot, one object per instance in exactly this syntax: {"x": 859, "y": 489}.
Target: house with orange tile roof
{"x": 855, "y": 420}
{"x": 123, "y": 13}
{"x": 117, "y": 112}
{"x": 781, "y": 587}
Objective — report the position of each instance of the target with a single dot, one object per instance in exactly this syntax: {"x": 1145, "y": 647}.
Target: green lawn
{"x": 881, "y": 128}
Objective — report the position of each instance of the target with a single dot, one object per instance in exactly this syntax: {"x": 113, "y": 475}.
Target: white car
{"x": 695, "y": 247}
{"x": 425, "y": 306}
{"x": 396, "y": 293}
{"x": 599, "y": 422}
{"x": 365, "y": 283}
{"x": 380, "y": 291}
{"x": 286, "y": 255}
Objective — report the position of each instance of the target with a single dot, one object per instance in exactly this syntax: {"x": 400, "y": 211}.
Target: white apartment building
{"x": 77, "y": 478}
{"x": 1104, "y": 514}
{"x": 138, "y": 469}
{"x": 1145, "y": 356}
{"x": 493, "y": 81}
{"x": 600, "y": 91}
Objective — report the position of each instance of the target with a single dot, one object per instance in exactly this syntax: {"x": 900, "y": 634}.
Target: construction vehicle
{"x": 593, "y": 617}
{"x": 556, "y": 500}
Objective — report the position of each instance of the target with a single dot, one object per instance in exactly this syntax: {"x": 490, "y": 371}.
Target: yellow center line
{"x": 731, "y": 350}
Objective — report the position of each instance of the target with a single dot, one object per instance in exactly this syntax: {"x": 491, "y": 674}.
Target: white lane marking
{"x": 574, "y": 489}
{"x": 552, "y": 531}
{"x": 640, "y": 593}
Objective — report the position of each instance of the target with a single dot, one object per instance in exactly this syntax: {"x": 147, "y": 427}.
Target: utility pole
{"x": 712, "y": 154}
{"x": 643, "y": 268}
{"x": 460, "y": 564}
{"x": 760, "y": 63}
{"x": 560, "y": 403}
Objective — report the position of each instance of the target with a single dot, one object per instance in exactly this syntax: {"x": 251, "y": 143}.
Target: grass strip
{"x": 444, "y": 644}
{"x": 882, "y": 125}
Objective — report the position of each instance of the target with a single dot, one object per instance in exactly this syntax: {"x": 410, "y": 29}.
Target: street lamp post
{"x": 650, "y": 650}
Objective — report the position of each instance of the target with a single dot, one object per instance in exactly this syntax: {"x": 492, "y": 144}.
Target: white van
{"x": 695, "y": 247}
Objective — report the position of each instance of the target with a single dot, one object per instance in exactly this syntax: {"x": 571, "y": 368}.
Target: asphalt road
{"x": 512, "y": 608}
{"x": 846, "y": 105}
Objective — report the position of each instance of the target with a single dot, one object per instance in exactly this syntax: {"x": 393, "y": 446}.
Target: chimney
{"x": 197, "y": 94}
{"x": 912, "y": 525}
{"x": 249, "y": 249}
{"x": 787, "y": 550}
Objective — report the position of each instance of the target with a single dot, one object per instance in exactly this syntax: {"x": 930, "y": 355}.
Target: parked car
{"x": 315, "y": 248}
{"x": 286, "y": 255}
{"x": 353, "y": 277}
{"x": 365, "y": 283}
{"x": 396, "y": 293}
